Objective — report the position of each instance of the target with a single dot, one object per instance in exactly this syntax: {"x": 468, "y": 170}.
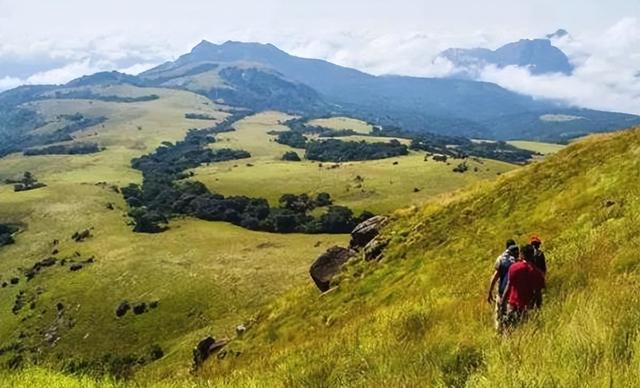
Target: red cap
{"x": 535, "y": 239}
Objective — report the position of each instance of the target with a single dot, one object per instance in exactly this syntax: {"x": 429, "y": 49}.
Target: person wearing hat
{"x": 501, "y": 269}
{"x": 540, "y": 262}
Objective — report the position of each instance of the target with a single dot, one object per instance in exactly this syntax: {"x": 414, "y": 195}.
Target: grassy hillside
{"x": 207, "y": 277}
{"x": 419, "y": 316}
{"x": 543, "y": 148}
{"x": 382, "y": 186}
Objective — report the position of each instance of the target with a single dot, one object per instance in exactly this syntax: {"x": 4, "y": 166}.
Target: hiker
{"x": 501, "y": 268}
{"x": 540, "y": 262}
{"x": 524, "y": 280}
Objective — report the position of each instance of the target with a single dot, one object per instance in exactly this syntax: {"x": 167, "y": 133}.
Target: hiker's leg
{"x": 499, "y": 316}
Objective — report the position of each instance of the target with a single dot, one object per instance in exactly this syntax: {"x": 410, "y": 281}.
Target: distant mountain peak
{"x": 540, "y": 56}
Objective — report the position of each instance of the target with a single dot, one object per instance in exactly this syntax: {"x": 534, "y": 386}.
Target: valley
{"x": 141, "y": 214}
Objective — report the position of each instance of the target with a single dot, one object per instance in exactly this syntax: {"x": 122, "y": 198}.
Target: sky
{"x": 56, "y": 41}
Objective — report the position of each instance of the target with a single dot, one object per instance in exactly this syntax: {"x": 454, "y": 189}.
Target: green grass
{"x": 339, "y": 123}
{"x": 419, "y": 317}
{"x": 208, "y": 277}
{"x": 543, "y": 148}
{"x": 384, "y": 187}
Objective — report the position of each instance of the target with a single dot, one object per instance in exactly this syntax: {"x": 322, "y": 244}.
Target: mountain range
{"x": 262, "y": 77}
{"x": 537, "y": 55}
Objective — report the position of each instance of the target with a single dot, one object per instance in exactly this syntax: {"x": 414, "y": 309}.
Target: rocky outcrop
{"x": 328, "y": 264}
{"x": 373, "y": 250}
{"x": 205, "y": 348}
{"x": 364, "y": 237}
{"x": 366, "y": 231}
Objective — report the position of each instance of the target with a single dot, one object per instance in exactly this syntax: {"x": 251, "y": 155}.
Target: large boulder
{"x": 328, "y": 264}
{"x": 366, "y": 231}
{"x": 205, "y": 348}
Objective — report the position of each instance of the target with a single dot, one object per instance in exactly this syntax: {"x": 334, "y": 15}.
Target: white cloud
{"x": 605, "y": 76}
{"x": 10, "y": 83}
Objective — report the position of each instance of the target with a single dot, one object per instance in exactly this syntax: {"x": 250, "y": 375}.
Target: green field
{"x": 339, "y": 123}
{"x": 542, "y": 148}
{"x": 207, "y": 277}
{"x": 379, "y": 186}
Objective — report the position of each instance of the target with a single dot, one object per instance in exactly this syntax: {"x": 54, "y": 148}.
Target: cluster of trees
{"x": 198, "y": 116}
{"x": 165, "y": 192}
{"x": 65, "y": 149}
{"x": 89, "y": 95}
{"x": 75, "y": 122}
{"x": 6, "y": 234}
{"x": 458, "y": 147}
{"x": 333, "y": 150}
{"x": 291, "y": 156}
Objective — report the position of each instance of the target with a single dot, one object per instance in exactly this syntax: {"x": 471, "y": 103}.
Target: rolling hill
{"x": 418, "y": 316}
{"x": 449, "y": 106}
{"x": 202, "y": 277}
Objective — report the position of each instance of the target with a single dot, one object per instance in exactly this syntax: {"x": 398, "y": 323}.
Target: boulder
{"x": 75, "y": 267}
{"x": 366, "y": 231}
{"x": 373, "y": 250}
{"x": 205, "y": 348}
{"x": 328, "y": 264}
{"x": 240, "y": 330}
{"x": 81, "y": 236}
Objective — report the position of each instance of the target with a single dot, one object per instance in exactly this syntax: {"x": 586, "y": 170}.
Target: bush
{"x": 291, "y": 156}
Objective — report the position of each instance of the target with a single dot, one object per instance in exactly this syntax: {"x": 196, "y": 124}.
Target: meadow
{"x": 206, "y": 277}
{"x": 379, "y": 186}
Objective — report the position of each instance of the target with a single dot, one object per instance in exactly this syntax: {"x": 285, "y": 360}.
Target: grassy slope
{"x": 419, "y": 316}
{"x": 543, "y": 148}
{"x": 343, "y": 123}
{"x": 208, "y": 277}
{"x": 385, "y": 187}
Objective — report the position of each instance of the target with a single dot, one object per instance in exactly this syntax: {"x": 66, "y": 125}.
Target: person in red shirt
{"x": 524, "y": 282}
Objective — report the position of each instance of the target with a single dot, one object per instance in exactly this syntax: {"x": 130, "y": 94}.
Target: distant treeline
{"x": 89, "y": 95}
{"x": 166, "y": 192}
{"x": 65, "y": 149}
{"x": 76, "y": 122}
{"x": 334, "y": 150}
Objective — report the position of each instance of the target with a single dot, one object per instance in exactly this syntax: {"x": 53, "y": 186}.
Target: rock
{"x": 14, "y": 281}
{"x": 366, "y": 231}
{"x": 110, "y": 206}
{"x": 328, "y": 264}
{"x": 35, "y": 269}
{"x": 608, "y": 203}
{"x": 373, "y": 250}
{"x": 81, "y": 236}
{"x": 140, "y": 308}
{"x": 76, "y": 267}
{"x": 205, "y": 348}
{"x": 59, "y": 306}
{"x": 55, "y": 252}
{"x": 122, "y": 309}
{"x": 4, "y": 284}
{"x": 154, "y": 304}
{"x": 240, "y": 330}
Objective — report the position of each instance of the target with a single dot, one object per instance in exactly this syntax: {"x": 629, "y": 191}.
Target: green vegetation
{"x": 541, "y": 148}
{"x": 418, "y": 315}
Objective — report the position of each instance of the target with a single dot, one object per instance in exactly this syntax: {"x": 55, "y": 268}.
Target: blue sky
{"x": 55, "y": 41}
